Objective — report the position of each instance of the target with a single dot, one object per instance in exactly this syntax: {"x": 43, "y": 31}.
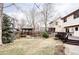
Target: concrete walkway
{"x": 71, "y": 49}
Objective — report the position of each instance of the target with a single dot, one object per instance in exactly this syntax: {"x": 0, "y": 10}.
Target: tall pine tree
{"x": 7, "y": 30}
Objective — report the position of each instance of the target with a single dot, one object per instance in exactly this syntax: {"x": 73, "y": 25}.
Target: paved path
{"x": 71, "y": 49}
{"x": 72, "y": 42}
{"x": 72, "y": 46}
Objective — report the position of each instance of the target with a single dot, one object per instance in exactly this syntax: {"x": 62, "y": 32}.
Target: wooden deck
{"x": 73, "y": 40}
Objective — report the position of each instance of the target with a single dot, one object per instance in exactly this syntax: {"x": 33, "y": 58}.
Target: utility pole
{"x": 1, "y": 16}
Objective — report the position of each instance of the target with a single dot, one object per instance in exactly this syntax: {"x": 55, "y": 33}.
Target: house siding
{"x": 73, "y": 31}
{"x": 71, "y": 23}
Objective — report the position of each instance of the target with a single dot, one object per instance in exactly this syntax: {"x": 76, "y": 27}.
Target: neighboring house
{"x": 56, "y": 25}
{"x": 68, "y": 23}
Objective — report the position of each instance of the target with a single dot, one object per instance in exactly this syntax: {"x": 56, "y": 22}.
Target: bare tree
{"x": 32, "y": 14}
{"x": 47, "y": 13}
{"x": 22, "y": 23}
{"x": 16, "y": 21}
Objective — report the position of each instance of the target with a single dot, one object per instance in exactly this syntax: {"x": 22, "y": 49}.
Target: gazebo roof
{"x": 27, "y": 28}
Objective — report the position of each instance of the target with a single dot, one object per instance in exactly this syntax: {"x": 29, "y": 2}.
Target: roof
{"x": 54, "y": 20}
{"x": 27, "y": 28}
{"x": 70, "y": 14}
{"x": 24, "y": 28}
{"x": 71, "y": 26}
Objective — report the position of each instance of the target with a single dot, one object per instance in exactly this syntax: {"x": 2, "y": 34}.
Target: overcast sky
{"x": 61, "y": 9}
{"x": 65, "y": 9}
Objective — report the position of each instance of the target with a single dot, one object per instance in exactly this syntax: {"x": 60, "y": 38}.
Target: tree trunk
{"x": 46, "y": 21}
{"x": 1, "y": 16}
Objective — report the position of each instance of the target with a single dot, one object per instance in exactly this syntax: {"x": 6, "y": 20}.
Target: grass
{"x": 31, "y": 46}
{"x": 45, "y": 51}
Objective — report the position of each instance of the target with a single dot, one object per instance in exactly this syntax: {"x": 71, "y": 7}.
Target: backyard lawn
{"x": 30, "y": 46}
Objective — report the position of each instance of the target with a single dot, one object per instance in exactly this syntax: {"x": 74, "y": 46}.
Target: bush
{"x": 45, "y": 35}
{"x": 7, "y": 30}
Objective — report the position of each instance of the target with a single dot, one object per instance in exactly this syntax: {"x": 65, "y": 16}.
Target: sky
{"x": 13, "y": 11}
{"x": 24, "y": 6}
{"x": 62, "y": 9}
{"x": 67, "y": 8}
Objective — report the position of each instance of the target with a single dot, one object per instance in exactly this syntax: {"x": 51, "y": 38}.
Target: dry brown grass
{"x": 30, "y": 46}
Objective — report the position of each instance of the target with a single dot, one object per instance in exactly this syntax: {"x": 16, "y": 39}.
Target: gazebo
{"x": 26, "y": 31}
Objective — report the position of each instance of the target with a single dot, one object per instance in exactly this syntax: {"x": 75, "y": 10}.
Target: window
{"x": 76, "y": 14}
{"x": 56, "y": 23}
{"x": 76, "y": 28}
{"x": 65, "y": 20}
{"x": 67, "y": 30}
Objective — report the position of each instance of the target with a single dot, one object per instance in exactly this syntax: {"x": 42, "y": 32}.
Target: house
{"x": 68, "y": 23}
{"x": 56, "y": 25}
{"x": 71, "y": 23}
